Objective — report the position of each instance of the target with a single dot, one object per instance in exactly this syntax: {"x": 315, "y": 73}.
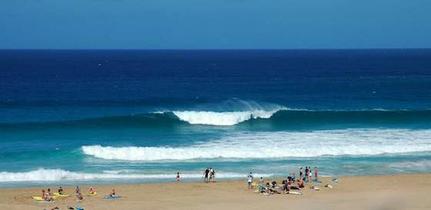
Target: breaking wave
{"x": 222, "y": 118}
{"x": 50, "y": 175}
{"x": 279, "y": 145}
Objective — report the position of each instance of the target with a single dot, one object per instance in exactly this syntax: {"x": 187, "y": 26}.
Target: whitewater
{"x": 279, "y": 145}
{"x": 146, "y": 115}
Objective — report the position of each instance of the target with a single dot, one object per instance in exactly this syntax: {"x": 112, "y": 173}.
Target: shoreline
{"x": 183, "y": 181}
{"x": 399, "y": 191}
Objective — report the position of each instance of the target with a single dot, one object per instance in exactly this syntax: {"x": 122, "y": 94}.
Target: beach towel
{"x": 111, "y": 197}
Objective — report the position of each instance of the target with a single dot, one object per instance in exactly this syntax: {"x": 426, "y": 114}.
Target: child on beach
{"x": 178, "y": 176}
{"x": 250, "y": 180}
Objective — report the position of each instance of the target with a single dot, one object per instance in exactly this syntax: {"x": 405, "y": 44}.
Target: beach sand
{"x": 390, "y": 192}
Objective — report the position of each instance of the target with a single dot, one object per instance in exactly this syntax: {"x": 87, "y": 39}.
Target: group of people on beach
{"x": 48, "y": 195}
{"x": 209, "y": 175}
{"x": 307, "y": 177}
{"x": 287, "y": 185}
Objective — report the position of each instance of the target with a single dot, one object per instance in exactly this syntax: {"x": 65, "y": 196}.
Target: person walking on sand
{"x": 250, "y": 180}
{"x": 178, "y": 176}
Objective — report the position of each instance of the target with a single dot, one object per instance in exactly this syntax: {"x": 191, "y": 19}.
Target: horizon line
{"x": 203, "y": 49}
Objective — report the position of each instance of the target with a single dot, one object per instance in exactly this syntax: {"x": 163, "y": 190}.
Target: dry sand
{"x": 360, "y": 192}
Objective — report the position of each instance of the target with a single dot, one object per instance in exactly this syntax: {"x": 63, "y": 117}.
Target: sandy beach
{"x": 358, "y": 192}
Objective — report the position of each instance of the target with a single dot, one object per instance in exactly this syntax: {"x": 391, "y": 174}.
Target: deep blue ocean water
{"x": 73, "y": 116}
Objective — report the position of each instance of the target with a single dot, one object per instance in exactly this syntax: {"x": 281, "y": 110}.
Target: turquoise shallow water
{"x": 140, "y": 116}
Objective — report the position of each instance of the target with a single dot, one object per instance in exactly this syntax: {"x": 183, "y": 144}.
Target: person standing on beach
{"x": 301, "y": 174}
{"x": 261, "y": 181}
{"x": 206, "y": 173}
{"x": 306, "y": 174}
{"x": 315, "y": 174}
{"x": 250, "y": 180}
{"x": 178, "y": 176}
{"x": 212, "y": 175}
{"x": 309, "y": 173}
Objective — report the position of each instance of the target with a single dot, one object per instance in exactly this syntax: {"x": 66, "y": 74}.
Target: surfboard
{"x": 58, "y": 195}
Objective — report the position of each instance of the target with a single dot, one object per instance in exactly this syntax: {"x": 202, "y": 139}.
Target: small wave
{"x": 52, "y": 175}
{"x": 279, "y": 145}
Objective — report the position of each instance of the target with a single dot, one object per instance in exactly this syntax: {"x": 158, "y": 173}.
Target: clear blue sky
{"x": 215, "y": 24}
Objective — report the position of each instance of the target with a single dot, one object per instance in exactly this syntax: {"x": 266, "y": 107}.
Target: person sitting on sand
{"x": 49, "y": 192}
{"x": 46, "y": 196}
{"x": 60, "y": 191}
{"x": 113, "y": 194}
{"x": 43, "y": 194}
{"x": 274, "y": 184}
{"x": 272, "y": 188}
{"x": 301, "y": 183}
{"x": 268, "y": 188}
{"x": 92, "y": 191}
{"x": 79, "y": 196}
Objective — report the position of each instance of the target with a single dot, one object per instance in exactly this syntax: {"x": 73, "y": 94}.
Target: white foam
{"x": 50, "y": 175}
{"x": 226, "y": 113}
{"x": 279, "y": 145}
{"x": 223, "y": 118}
{"x": 418, "y": 165}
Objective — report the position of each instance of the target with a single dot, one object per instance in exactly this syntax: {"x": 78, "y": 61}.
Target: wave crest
{"x": 222, "y": 118}
{"x": 230, "y": 112}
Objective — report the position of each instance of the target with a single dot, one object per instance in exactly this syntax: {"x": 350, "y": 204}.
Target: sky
{"x": 214, "y": 24}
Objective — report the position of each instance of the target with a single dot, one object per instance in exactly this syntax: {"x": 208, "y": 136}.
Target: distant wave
{"x": 279, "y": 145}
{"x": 281, "y": 117}
{"x": 230, "y": 112}
{"x": 223, "y": 118}
{"x": 51, "y": 175}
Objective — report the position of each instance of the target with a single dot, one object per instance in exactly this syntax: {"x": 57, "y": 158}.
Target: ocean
{"x": 127, "y": 116}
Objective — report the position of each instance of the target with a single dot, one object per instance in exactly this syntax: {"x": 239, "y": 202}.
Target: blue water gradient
{"x": 103, "y": 116}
